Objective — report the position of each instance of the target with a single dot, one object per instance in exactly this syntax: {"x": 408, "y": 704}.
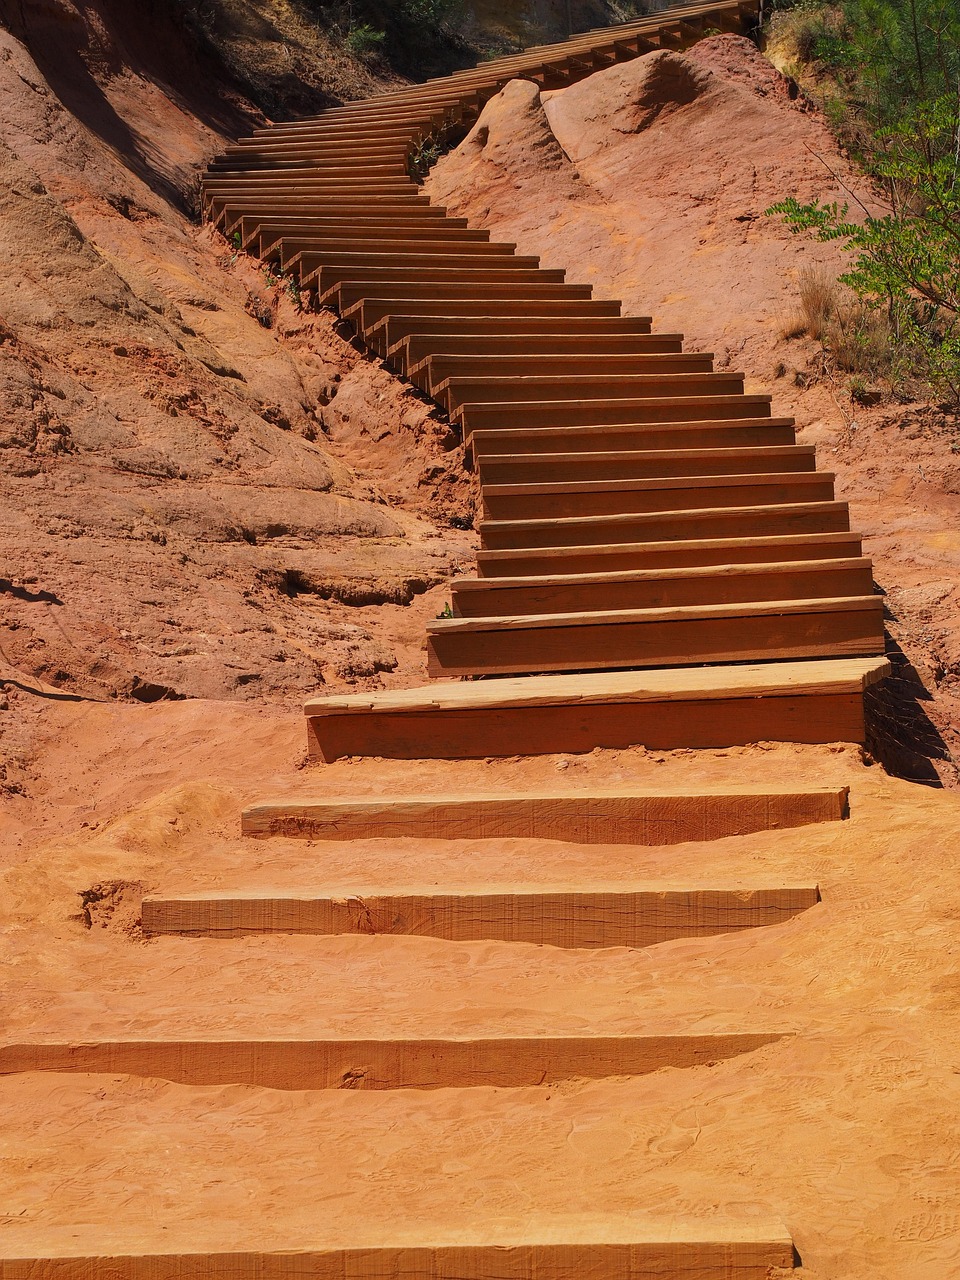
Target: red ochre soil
{"x": 161, "y": 497}
{"x": 208, "y": 493}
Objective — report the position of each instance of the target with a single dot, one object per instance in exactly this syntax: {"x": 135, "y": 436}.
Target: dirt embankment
{"x": 207, "y": 491}
{"x": 649, "y": 181}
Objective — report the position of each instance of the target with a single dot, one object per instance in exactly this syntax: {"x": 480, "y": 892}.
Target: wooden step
{"x": 535, "y": 415}
{"x": 397, "y": 328}
{"x": 227, "y": 214}
{"x": 261, "y": 236}
{"x": 307, "y": 170}
{"x": 617, "y": 916}
{"x": 329, "y": 279}
{"x": 409, "y": 254}
{"x": 706, "y": 434}
{"x": 344, "y": 286}
{"x": 601, "y": 1245}
{"x": 718, "y": 706}
{"x": 373, "y": 232}
{"x": 662, "y": 526}
{"x": 383, "y": 1062}
{"x": 454, "y": 393}
{"x": 271, "y": 189}
{"x": 758, "y": 631}
{"x": 660, "y": 588}
{"x": 331, "y": 268}
{"x": 415, "y": 235}
{"x": 370, "y": 311}
{"x": 435, "y": 370}
{"x": 561, "y": 499}
{"x": 692, "y": 553}
{"x": 595, "y": 817}
{"x": 414, "y": 349}
{"x": 639, "y": 464}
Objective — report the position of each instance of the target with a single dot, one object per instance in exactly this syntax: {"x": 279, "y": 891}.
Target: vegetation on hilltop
{"x": 295, "y": 57}
{"x": 888, "y": 74}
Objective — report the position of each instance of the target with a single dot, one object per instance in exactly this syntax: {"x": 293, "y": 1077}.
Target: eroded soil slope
{"x": 208, "y": 492}
{"x": 650, "y": 180}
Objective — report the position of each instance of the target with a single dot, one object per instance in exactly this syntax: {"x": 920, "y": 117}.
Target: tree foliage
{"x": 899, "y": 64}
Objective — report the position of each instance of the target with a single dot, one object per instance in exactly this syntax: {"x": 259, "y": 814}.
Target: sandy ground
{"x": 843, "y": 1129}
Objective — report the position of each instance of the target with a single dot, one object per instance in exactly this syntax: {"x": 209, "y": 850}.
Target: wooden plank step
{"x": 694, "y": 553}
{"x": 705, "y": 434}
{"x": 396, "y": 329}
{"x": 532, "y": 416}
{"x": 416, "y": 221}
{"x": 603, "y": 816}
{"x": 374, "y": 318}
{"x": 639, "y": 464}
{"x": 717, "y": 706}
{"x": 360, "y": 165}
{"x": 267, "y": 238}
{"x": 273, "y": 139}
{"x": 384, "y": 1062}
{"x": 453, "y": 393}
{"x": 226, "y": 213}
{"x": 752, "y": 632}
{"x": 619, "y": 916}
{"x": 507, "y": 343}
{"x": 399, "y": 251}
{"x": 560, "y": 499}
{"x": 279, "y": 154}
{"x": 329, "y": 279}
{"x": 434, "y": 370}
{"x": 335, "y": 284}
{"x": 274, "y": 188}
{"x": 372, "y": 231}
{"x": 662, "y": 526}
{"x": 414, "y": 349}
{"x": 557, "y": 300}
{"x": 485, "y": 284}
{"x": 661, "y": 588}
{"x": 603, "y": 1246}
{"x": 412, "y": 256}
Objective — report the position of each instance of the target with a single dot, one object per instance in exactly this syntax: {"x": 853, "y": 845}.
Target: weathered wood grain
{"x": 385, "y": 1063}
{"x": 625, "y": 917}
{"x": 529, "y": 1246}
{"x": 623, "y": 816}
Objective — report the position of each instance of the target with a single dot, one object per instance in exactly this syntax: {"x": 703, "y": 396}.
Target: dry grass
{"x": 855, "y": 339}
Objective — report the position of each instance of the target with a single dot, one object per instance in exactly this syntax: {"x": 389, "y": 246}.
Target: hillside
{"x": 210, "y": 492}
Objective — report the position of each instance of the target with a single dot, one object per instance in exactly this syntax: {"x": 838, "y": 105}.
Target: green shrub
{"x": 364, "y": 41}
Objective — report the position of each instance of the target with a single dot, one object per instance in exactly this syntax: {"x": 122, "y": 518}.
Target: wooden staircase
{"x": 638, "y": 508}
{"x": 661, "y": 564}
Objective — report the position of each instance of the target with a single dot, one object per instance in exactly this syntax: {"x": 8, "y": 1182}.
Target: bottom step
{"x": 663, "y": 708}
{"x": 514, "y": 1247}
{"x": 509, "y": 1062}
